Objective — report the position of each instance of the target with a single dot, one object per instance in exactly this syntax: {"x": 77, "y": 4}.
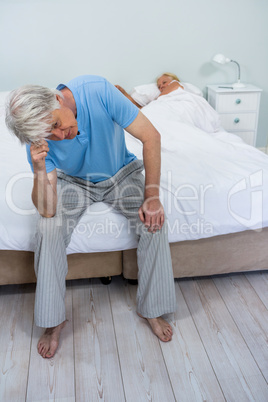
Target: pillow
{"x": 144, "y": 94}
{"x": 191, "y": 88}
{"x": 3, "y": 97}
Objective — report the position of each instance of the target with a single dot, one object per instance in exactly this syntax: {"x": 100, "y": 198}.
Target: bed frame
{"x": 236, "y": 252}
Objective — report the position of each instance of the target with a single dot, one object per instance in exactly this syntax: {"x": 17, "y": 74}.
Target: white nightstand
{"x": 238, "y": 109}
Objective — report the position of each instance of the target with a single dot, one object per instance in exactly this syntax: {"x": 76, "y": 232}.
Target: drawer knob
{"x": 236, "y": 120}
{"x": 238, "y": 101}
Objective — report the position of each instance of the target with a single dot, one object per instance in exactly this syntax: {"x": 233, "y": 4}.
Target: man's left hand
{"x": 151, "y": 213}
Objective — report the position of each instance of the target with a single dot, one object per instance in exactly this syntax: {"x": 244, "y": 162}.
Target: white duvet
{"x": 212, "y": 183}
{"x": 184, "y": 107}
{"x": 218, "y": 183}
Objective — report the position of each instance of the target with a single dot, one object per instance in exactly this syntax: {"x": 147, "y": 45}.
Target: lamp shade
{"x": 220, "y": 58}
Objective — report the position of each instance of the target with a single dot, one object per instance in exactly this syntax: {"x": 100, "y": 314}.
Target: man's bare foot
{"x": 161, "y": 328}
{"x": 49, "y": 341}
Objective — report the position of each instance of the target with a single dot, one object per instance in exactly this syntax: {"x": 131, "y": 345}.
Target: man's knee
{"x": 142, "y": 229}
{"x": 48, "y": 224}
{"x": 56, "y": 228}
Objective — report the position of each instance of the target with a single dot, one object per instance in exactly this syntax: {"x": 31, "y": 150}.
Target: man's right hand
{"x": 39, "y": 153}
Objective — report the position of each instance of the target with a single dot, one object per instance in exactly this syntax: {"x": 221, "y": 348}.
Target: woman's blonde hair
{"x": 173, "y": 76}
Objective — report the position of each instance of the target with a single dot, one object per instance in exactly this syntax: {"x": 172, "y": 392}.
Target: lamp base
{"x": 238, "y": 85}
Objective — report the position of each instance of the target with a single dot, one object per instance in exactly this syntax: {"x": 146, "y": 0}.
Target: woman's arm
{"x": 128, "y": 96}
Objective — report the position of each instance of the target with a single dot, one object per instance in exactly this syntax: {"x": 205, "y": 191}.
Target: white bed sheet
{"x": 212, "y": 183}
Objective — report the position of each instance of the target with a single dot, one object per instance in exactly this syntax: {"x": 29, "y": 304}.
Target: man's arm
{"x": 44, "y": 194}
{"x": 151, "y": 212}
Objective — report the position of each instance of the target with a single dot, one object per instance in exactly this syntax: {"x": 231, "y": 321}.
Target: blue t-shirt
{"x": 100, "y": 150}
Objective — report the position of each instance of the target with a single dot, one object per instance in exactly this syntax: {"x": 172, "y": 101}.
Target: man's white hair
{"x": 29, "y": 112}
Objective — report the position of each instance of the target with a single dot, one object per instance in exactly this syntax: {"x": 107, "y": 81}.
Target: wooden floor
{"x": 107, "y": 353}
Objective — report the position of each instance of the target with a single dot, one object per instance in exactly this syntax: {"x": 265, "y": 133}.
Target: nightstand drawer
{"x": 238, "y": 121}
{"x": 239, "y": 101}
{"x": 238, "y": 109}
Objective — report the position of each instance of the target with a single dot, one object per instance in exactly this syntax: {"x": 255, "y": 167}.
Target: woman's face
{"x": 163, "y": 82}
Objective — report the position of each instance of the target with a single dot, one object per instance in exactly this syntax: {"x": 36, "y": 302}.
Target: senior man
{"x": 76, "y": 149}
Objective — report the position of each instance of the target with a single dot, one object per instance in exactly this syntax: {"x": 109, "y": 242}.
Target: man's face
{"x": 63, "y": 125}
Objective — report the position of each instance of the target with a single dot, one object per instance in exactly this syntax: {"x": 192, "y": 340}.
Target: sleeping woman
{"x": 188, "y": 107}
{"x": 166, "y": 83}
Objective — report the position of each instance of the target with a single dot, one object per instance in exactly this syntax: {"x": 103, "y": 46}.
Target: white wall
{"x": 50, "y": 41}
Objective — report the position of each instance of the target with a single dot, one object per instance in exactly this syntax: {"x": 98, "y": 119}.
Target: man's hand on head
{"x": 151, "y": 213}
{"x": 39, "y": 153}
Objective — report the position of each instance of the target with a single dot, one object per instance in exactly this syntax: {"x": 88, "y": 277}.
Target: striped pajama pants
{"x": 124, "y": 192}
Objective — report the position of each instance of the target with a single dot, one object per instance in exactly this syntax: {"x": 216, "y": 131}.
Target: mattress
{"x": 212, "y": 183}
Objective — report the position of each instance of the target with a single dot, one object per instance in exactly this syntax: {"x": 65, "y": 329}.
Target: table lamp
{"x": 221, "y": 59}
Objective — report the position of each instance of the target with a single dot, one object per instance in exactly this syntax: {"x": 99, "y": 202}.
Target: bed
{"x": 213, "y": 188}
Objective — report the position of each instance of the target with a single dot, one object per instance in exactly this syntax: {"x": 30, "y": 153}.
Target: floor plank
{"x": 16, "y": 312}
{"x": 52, "y": 379}
{"x": 97, "y": 369}
{"x": 143, "y": 368}
{"x": 108, "y": 353}
{"x": 234, "y": 366}
{"x": 259, "y": 281}
{"x": 189, "y": 368}
{"x": 249, "y": 314}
